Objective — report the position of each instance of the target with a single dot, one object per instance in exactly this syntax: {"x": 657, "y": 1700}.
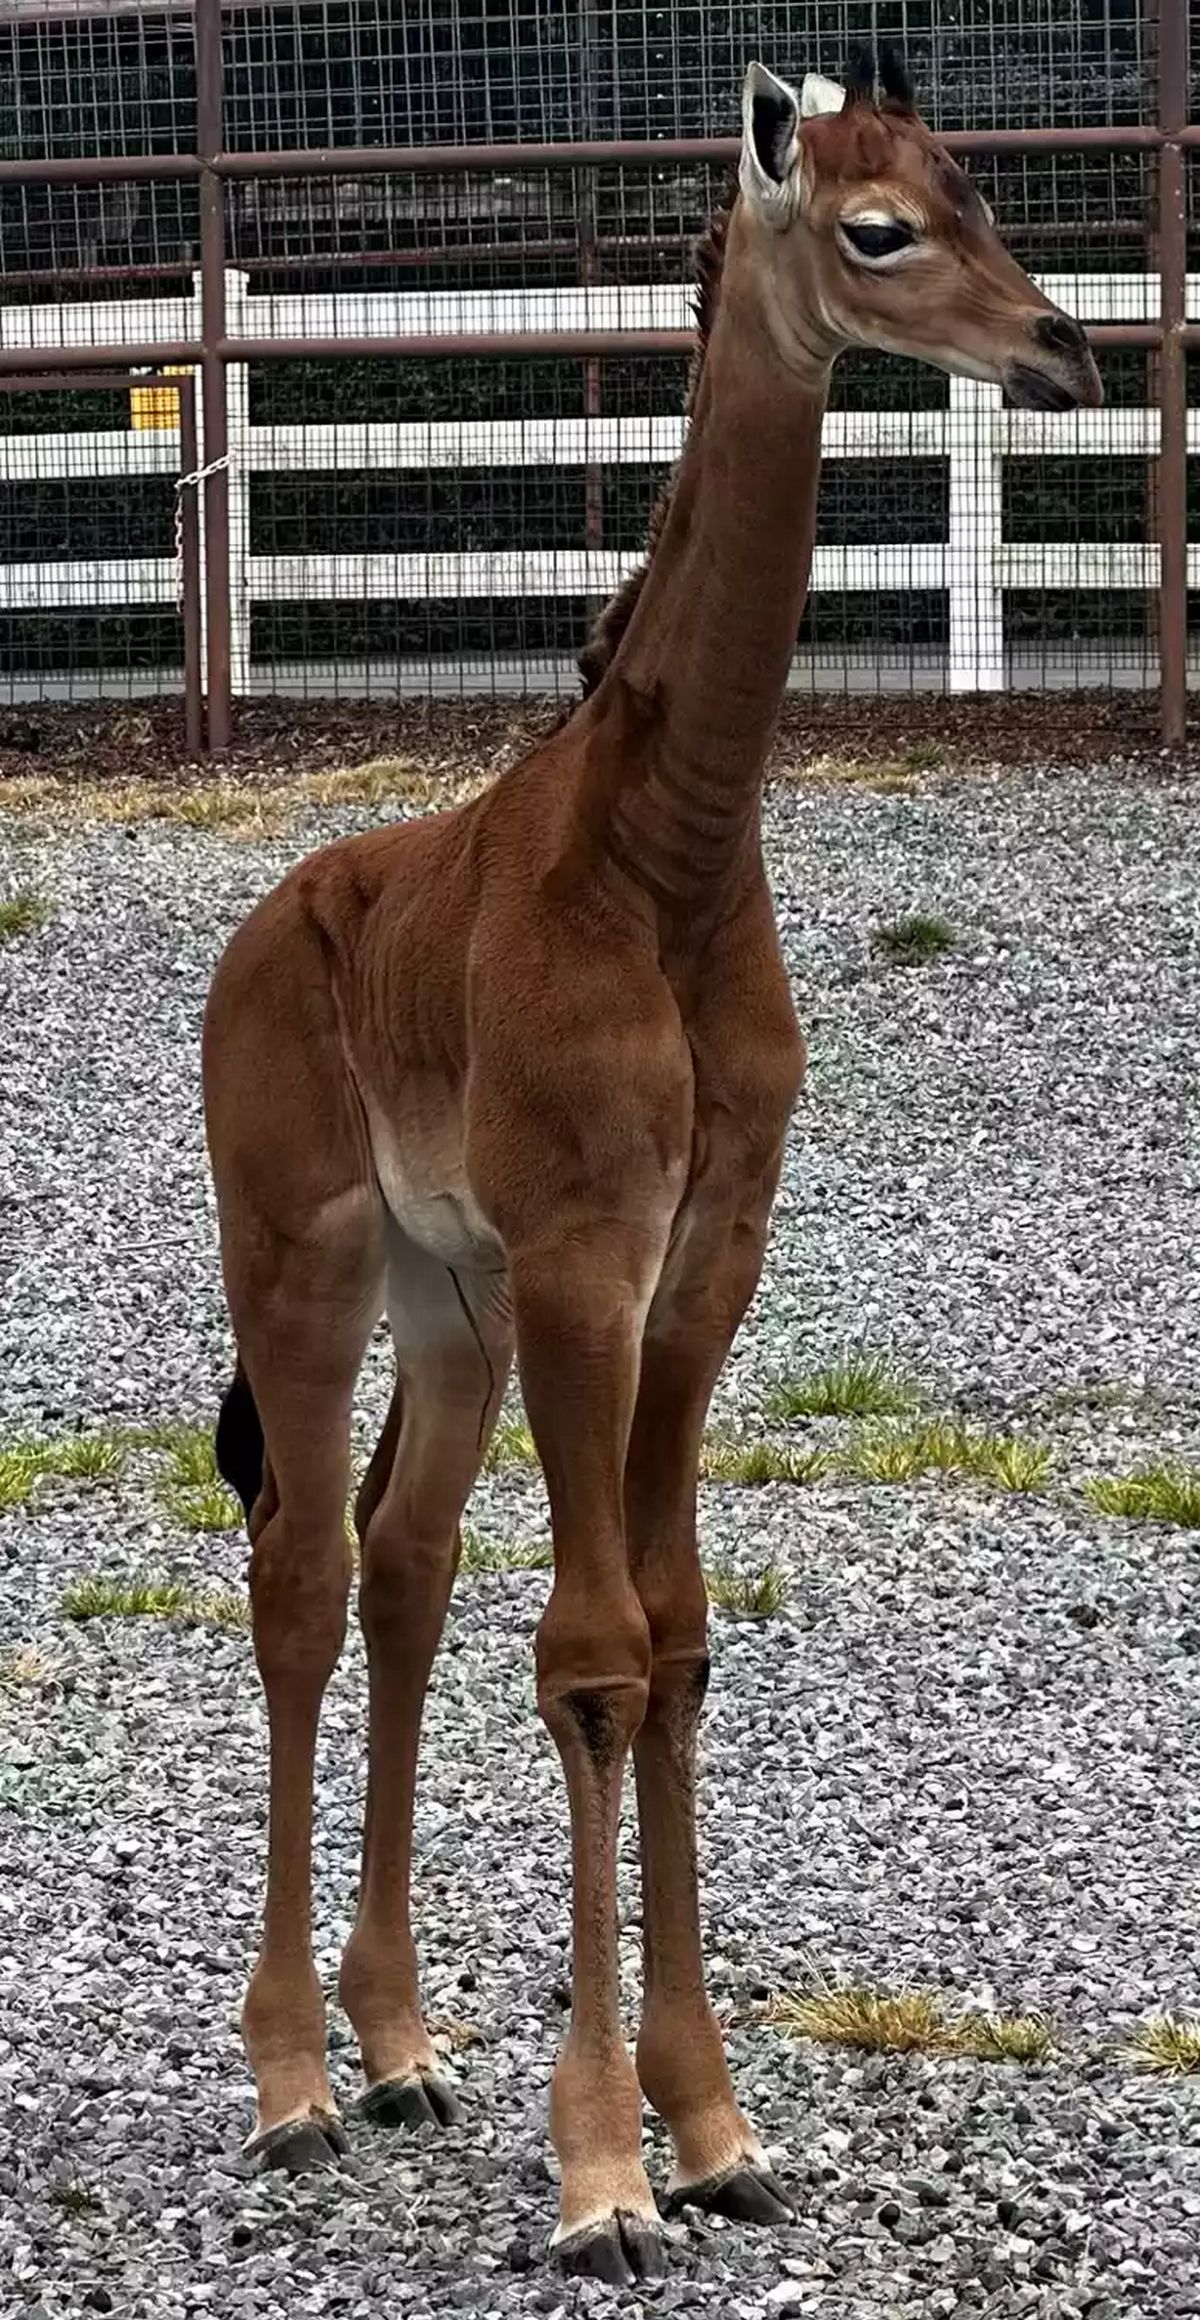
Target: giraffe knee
{"x": 299, "y": 1588}
{"x": 407, "y": 1573}
{"x": 594, "y": 1675}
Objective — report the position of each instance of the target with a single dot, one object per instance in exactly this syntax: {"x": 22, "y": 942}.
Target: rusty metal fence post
{"x": 1172, "y": 370}
{"x": 210, "y": 111}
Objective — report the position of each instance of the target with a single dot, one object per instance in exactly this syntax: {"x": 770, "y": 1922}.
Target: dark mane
{"x": 602, "y": 644}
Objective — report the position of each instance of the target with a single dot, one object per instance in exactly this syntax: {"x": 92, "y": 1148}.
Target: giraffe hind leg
{"x": 453, "y": 1342}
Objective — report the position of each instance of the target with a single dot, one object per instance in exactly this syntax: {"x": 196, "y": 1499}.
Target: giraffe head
{"x": 870, "y": 235}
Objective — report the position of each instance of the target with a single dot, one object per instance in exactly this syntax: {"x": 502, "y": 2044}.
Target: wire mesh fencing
{"x": 415, "y": 525}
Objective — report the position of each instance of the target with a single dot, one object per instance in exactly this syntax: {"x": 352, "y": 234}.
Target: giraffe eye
{"x": 877, "y": 241}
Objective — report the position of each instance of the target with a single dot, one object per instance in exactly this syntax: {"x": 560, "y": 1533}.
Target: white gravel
{"x": 965, "y": 1755}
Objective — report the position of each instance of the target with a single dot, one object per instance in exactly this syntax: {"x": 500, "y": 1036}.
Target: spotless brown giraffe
{"x": 520, "y": 1074}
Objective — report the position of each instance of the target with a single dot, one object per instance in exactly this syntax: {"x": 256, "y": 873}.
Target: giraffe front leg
{"x": 720, "y": 2164}
{"x": 577, "y": 1344}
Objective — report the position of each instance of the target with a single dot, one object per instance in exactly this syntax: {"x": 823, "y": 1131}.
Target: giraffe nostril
{"x": 1059, "y": 334}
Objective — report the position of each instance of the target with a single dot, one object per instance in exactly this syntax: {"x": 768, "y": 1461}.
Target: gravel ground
{"x": 964, "y": 1755}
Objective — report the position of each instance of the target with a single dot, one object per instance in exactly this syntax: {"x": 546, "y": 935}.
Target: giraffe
{"x": 519, "y": 1074}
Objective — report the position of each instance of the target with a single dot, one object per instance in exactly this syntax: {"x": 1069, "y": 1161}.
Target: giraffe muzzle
{"x": 1064, "y": 381}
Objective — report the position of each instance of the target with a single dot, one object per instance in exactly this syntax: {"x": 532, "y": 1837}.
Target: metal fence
{"x": 430, "y": 265}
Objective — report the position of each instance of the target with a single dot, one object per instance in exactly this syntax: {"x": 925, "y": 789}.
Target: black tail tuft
{"x": 239, "y": 1443}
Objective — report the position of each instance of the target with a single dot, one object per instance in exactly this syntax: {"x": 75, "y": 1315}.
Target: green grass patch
{"x": 203, "y": 1506}
{"x": 18, "y": 1474}
{"x": 913, "y": 940}
{"x": 902, "y": 1453}
{"x": 192, "y": 1491}
{"x": 898, "y": 1454}
{"x": 82, "y": 1457}
{"x": 21, "y": 913}
{"x": 1008, "y": 1460}
{"x": 1006, "y": 2037}
{"x": 1169, "y": 2043}
{"x": 756, "y": 1594}
{"x": 480, "y": 1554}
{"x": 512, "y": 1444}
{"x": 68, "y": 1457}
{"x": 856, "y": 1385}
{"x": 1166, "y": 1494}
{"x": 147, "y": 1597}
{"x": 191, "y": 1454}
{"x": 726, "y": 1459}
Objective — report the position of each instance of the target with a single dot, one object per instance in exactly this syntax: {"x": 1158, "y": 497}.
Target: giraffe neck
{"x": 694, "y": 691}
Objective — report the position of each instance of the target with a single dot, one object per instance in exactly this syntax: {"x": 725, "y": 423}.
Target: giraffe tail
{"x": 239, "y": 1440}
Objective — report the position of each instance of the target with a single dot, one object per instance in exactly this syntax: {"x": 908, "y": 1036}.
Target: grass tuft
{"x": 512, "y": 1444}
{"x": 236, "y": 809}
{"x": 757, "y": 1594}
{"x": 1006, "y": 2037}
{"x": 1166, "y": 1494}
{"x": 873, "y": 2021}
{"x": 912, "y": 940}
{"x": 203, "y": 1506}
{"x": 224, "y": 808}
{"x": 1008, "y": 1460}
{"x": 69, "y": 1457}
{"x": 379, "y": 781}
{"x": 193, "y": 1492}
{"x": 480, "y": 1554}
{"x": 75, "y": 2198}
{"x": 882, "y": 773}
{"x": 19, "y": 1471}
{"x": 191, "y": 1453}
{"x": 901, "y": 1453}
{"x": 146, "y": 1597}
{"x": 82, "y": 1457}
{"x": 856, "y": 1385}
{"x": 726, "y": 1459}
{"x": 28, "y": 1667}
{"x": 909, "y": 2022}
{"x": 946, "y": 1446}
{"x": 22, "y": 912}
{"x": 1169, "y": 2043}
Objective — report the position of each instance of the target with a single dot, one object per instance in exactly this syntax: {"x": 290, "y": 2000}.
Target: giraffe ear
{"x": 767, "y": 171}
{"x": 819, "y": 95}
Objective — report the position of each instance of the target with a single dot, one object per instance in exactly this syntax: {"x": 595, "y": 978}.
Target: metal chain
{"x": 189, "y": 483}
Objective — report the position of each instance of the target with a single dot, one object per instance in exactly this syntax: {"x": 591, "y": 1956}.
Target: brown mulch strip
{"x": 274, "y": 739}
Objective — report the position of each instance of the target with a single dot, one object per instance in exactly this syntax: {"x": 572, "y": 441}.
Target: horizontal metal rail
{"x": 590, "y": 153}
{"x": 417, "y": 348}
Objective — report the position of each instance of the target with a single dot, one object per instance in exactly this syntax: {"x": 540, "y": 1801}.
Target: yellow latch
{"x": 157, "y": 406}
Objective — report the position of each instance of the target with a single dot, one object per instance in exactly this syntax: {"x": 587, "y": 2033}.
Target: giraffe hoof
{"x": 300, "y": 2146}
{"x": 623, "y": 2249}
{"x": 423, "y": 2100}
{"x": 745, "y": 2194}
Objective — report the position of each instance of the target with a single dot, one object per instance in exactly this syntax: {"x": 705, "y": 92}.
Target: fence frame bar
{"x": 587, "y": 153}
{"x": 1172, "y": 369}
{"x": 210, "y": 101}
